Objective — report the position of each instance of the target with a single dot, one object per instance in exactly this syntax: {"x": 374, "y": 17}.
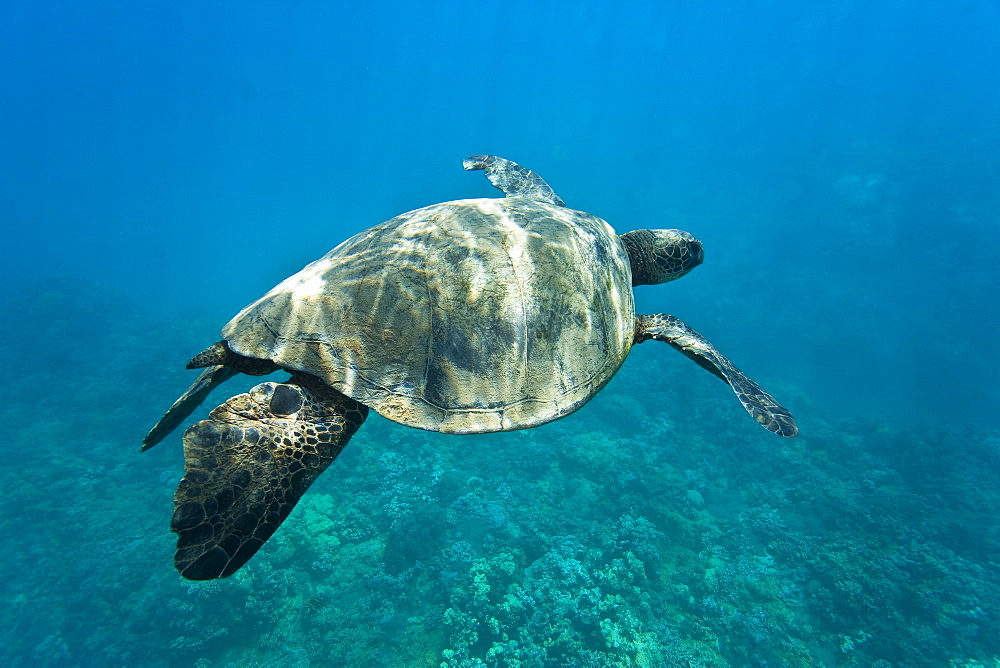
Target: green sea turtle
{"x": 472, "y": 316}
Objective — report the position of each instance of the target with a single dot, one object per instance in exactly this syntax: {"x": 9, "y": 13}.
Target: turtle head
{"x": 659, "y": 256}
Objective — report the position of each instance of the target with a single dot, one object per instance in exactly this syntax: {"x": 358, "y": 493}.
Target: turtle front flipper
{"x": 247, "y": 466}
{"x": 513, "y": 179}
{"x": 762, "y": 407}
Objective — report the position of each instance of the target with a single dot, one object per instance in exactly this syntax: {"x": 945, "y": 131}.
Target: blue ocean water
{"x": 162, "y": 164}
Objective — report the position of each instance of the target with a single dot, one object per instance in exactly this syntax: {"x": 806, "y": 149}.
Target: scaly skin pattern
{"x": 659, "y": 256}
{"x": 249, "y": 464}
{"x": 220, "y": 353}
{"x": 513, "y": 179}
{"x": 762, "y": 406}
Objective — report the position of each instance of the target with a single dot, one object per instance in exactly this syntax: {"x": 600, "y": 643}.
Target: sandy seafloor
{"x": 163, "y": 164}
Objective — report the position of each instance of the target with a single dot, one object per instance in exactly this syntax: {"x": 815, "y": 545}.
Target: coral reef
{"x": 631, "y": 533}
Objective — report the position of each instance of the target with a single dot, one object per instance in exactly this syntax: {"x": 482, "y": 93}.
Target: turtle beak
{"x": 695, "y": 251}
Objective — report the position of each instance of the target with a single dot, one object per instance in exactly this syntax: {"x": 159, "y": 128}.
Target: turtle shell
{"x": 471, "y": 316}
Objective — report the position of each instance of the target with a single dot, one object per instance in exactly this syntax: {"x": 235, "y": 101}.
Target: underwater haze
{"x": 162, "y": 164}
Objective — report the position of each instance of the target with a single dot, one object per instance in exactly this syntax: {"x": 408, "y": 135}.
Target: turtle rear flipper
{"x": 249, "y": 464}
{"x": 207, "y": 381}
{"x": 762, "y": 407}
{"x": 220, "y": 365}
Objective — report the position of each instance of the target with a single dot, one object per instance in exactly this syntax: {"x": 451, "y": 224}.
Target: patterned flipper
{"x": 513, "y": 179}
{"x": 762, "y": 407}
{"x": 249, "y": 464}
